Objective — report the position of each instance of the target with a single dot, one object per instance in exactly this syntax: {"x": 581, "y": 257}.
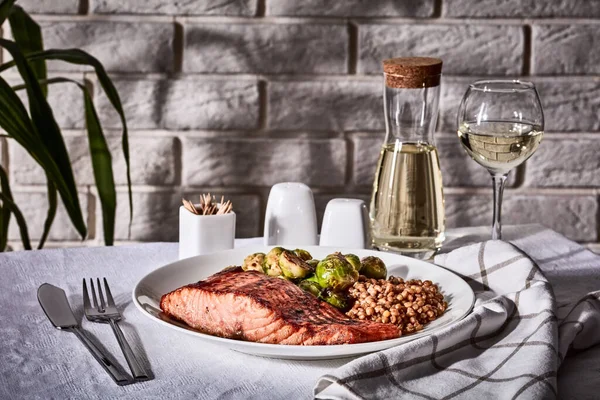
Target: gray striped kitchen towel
{"x": 510, "y": 346}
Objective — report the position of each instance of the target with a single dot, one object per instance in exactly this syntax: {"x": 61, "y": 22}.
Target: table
{"x": 38, "y": 361}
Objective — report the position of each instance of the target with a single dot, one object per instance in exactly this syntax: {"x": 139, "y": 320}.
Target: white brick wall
{"x": 232, "y": 97}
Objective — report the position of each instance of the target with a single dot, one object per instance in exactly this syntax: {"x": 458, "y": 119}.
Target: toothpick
{"x": 208, "y": 205}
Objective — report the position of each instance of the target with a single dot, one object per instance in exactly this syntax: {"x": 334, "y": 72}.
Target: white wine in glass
{"x": 500, "y": 125}
{"x": 500, "y": 146}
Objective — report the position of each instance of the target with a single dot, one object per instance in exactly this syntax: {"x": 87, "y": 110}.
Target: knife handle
{"x": 113, "y": 370}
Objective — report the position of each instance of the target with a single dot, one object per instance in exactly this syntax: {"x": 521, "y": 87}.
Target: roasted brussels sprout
{"x": 338, "y": 300}
{"x": 292, "y": 266}
{"x": 303, "y": 254}
{"x": 313, "y": 263}
{"x": 354, "y": 261}
{"x": 373, "y": 267}
{"x": 254, "y": 262}
{"x": 335, "y": 272}
{"x": 311, "y": 287}
{"x": 271, "y": 265}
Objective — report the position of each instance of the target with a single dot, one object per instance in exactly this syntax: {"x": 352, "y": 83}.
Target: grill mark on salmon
{"x": 249, "y": 305}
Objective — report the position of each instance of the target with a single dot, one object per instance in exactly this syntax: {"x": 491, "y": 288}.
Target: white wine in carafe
{"x": 407, "y": 204}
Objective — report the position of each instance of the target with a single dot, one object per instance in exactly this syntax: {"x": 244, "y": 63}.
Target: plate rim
{"x": 360, "y": 348}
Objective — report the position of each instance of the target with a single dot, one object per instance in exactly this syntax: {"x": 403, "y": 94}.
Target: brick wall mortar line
{"x": 319, "y": 77}
{"x": 10, "y": 74}
{"x": 85, "y": 7}
{"x": 210, "y": 134}
{"x": 295, "y": 134}
{"x": 313, "y": 19}
{"x": 598, "y": 214}
{"x": 527, "y": 191}
{"x": 261, "y": 8}
{"x": 541, "y": 78}
{"x": 330, "y": 189}
{"x": 217, "y": 19}
{"x": 101, "y": 18}
{"x": 261, "y": 134}
{"x": 92, "y": 222}
{"x": 438, "y": 9}
{"x": 178, "y": 47}
{"x": 527, "y": 50}
{"x": 243, "y": 77}
{"x": 4, "y": 161}
{"x": 548, "y": 136}
{"x": 263, "y": 104}
{"x": 519, "y": 174}
{"x": 353, "y": 48}
{"x": 350, "y": 155}
{"x": 182, "y": 164}
{"x": 477, "y": 21}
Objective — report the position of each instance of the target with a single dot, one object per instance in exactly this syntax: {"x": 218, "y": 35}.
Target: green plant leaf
{"x": 13, "y": 116}
{"x": 101, "y": 160}
{"x": 17, "y": 124}
{"x": 28, "y": 36}
{"x": 9, "y": 204}
{"x": 50, "y": 137}
{"x": 19, "y": 218}
{"x": 52, "y": 205}
{"x": 5, "y": 9}
{"x": 103, "y": 173}
{"x": 4, "y": 211}
{"x": 80, "y": 57}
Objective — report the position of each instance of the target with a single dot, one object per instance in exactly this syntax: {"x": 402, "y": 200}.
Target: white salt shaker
{"x": 290, "y": 218}
{"x": 346, "y": 224}
{"x": 204, "y": 234}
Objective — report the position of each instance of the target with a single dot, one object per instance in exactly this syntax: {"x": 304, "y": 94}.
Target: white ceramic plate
{"x": 148, "y": 291}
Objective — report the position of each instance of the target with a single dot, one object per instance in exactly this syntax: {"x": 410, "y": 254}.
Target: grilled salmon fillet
{"x": 249, "y": 305}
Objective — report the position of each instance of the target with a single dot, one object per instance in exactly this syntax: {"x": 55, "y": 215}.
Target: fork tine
{"x": 101, "y": 296}
{"x": 109, "y": 298}
{"x": 86, "y": 297}
{"x": 94, "y": 293}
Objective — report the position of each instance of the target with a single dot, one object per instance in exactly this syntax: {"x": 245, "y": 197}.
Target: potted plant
{"x": 34, "y": 127}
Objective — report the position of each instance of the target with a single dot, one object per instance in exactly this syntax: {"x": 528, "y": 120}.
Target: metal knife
{"x": 56, "y": 306}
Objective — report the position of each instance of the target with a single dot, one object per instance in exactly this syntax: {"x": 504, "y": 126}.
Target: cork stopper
{"x": 412, "y": 72}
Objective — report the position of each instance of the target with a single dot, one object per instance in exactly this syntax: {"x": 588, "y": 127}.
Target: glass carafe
{"x": 407, "y": 203}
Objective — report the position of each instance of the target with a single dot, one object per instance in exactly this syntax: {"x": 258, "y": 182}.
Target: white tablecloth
{"x": 38, "y": 361}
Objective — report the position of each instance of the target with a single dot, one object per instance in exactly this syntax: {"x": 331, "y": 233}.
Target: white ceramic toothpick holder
{"x": 204, "y": 234}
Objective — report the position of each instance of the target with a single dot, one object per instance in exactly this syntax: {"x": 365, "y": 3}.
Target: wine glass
{"x": 500, "y": 125}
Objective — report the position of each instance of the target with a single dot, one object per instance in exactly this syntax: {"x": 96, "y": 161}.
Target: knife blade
{"x": 55, "y": 304}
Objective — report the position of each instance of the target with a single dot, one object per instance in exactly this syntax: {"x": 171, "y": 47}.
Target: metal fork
{"x": 106, "y": 311}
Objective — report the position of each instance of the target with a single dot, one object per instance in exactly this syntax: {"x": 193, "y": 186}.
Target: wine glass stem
{"x": 498, "y": 180}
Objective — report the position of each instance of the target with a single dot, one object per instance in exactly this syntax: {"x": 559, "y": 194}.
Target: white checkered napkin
{"x": 506, "y": 348}
{"x": 579, "y": 328}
